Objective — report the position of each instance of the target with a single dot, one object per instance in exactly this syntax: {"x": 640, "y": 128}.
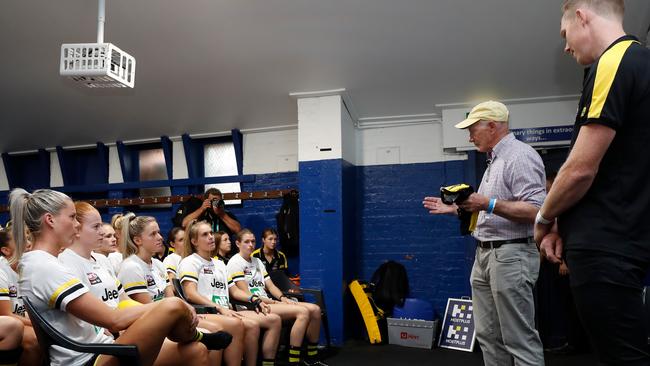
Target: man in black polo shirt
{"x": 602, "y": 192}
{"x": 213, "y": 211}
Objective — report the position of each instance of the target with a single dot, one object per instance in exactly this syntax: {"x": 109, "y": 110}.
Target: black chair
{"x": 290, "y": 290}
{"x": 180, "y": 293}
{"x": 49, "y": 336}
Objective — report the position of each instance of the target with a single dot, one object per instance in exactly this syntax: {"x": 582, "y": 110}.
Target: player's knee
{"x": 302, "y": 314}
{"x": 275, "y": 320}
{"x": 252, "y": 328}
{"x": 200, "y": 354}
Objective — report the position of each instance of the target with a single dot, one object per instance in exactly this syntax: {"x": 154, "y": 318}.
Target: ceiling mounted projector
{"x": 98, "y": 65}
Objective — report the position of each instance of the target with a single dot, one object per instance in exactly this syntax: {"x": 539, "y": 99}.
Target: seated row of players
{"x": 272, "y": 258}
{"x": 209, "y": 281}
{"x": 81, "y": 298}
{"x": 65, "y": 293}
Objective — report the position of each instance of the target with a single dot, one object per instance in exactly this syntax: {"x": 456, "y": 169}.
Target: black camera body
{"x": 457, "y": 194}
{"x": 218, "y": 203}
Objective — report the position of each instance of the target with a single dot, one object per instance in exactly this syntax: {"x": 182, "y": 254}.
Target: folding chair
{"x": 49, "y": 336}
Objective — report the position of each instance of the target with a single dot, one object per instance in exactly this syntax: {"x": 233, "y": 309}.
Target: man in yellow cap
{"x": 599, "y": 201}
{"x": 506, "y": 265}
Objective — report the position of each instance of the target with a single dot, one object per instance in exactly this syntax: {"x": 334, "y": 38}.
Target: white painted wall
{"x": 56, "y": 177}
{"x": 348, "y": 136}
{"x": 319, "y": 127}
{"x": 271, "y": 152}
{"x": 522, "y": 115}
{"x": 267, "y": 152}
{"x": 402, "y": 145}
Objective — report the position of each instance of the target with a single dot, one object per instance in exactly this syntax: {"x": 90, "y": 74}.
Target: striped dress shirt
{"x": 515, "y": 172}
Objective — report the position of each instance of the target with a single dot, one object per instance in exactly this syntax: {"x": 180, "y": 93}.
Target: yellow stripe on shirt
{"x": 59, "y": 290}
{"x": 135, "y": 284}
{"x": 605, "y": 75}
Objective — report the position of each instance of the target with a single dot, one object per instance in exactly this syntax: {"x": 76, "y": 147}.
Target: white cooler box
{"x": 412, "y": 333}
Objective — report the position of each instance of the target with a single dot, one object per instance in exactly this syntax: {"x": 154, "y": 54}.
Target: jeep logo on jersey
{"x": 93, "y": 278}
{"x": 110, "y": 295}
{"x": 254, "y": 283}
{"x": 150, "y": 280}
{"x": 13, "y": 291}
{"x": 218, "y": 285}
{"x": 19, "y": 310}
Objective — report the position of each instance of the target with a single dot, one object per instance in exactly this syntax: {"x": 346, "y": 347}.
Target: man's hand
{"x": 475, "y": 202}
{"x": 207, "y": 203}
{"x": 541, "y": 230}
{"x": 551, "y": 247}
{"x": 436, "y": 207}
{"x": 564, "y": 269}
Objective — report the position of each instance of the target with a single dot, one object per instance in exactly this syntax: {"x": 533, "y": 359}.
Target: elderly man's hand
{"x": 475, "y": 202}
{"x": 436, "y": 207}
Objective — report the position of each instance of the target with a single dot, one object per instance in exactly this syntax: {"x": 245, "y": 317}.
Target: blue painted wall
{"x": 326, "y": 239}
{"x": 393, "y": 225}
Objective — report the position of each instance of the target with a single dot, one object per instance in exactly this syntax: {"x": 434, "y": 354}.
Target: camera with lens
{"x": 218, "y": 203}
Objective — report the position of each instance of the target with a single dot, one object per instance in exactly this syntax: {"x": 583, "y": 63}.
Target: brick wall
{"x": 393, "y": 225}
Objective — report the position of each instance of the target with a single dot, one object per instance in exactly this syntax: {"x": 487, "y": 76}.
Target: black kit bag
{"x": 391, "y": 285}
{"x": 288, "y": 224}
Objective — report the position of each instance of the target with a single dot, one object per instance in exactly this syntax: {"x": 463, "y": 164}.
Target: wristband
{"x": 250, "y": 299}
{"x": 257, "y": 304}
{"x": 490, "y": 208}
{"x": 539, "y": 219}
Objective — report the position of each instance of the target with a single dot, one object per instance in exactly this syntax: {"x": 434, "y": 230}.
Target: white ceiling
{"x": 206, "y": 66}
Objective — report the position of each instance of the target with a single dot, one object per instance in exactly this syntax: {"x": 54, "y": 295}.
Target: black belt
{"x": 497, "y": 243}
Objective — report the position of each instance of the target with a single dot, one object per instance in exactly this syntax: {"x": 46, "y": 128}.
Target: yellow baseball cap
{"x": 490, "y": 110}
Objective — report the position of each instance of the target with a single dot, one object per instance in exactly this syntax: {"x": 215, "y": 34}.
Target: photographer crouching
{"x": 213, "y": 210}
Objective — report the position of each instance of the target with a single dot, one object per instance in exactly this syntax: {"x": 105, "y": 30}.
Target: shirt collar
{"x": 498, "y": 149}
{"x": 626, "y": 37}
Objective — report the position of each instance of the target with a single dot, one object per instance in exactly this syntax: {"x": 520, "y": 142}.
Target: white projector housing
{"x": 97, "y": 65}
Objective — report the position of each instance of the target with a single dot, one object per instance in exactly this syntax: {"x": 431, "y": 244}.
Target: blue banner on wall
{"x": 458, "y": 326}
{"x": 543, "y": 134}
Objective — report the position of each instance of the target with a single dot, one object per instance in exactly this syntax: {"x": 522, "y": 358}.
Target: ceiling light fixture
{"x": 98, "y": 65}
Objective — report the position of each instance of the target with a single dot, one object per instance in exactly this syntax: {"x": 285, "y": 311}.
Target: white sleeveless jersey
{"x": 51, "y": 287}
{"x": 252, "y": 272}
{"x": 211, "y": 277}
{"x": 171, "y": 263}
{"x": 94, "y": 275}
{"x": 9, "y": 287}
{"x": 139, "y": 277}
